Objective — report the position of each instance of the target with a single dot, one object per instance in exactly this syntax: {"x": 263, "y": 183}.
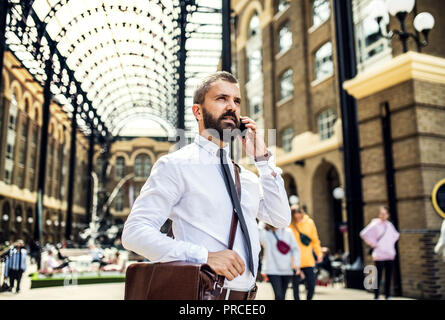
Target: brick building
{"x": 285, "y": 55}
{"x": 20, "y": 126}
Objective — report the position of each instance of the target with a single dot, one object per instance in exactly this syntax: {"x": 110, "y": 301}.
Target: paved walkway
{"x": 115, "y": 291}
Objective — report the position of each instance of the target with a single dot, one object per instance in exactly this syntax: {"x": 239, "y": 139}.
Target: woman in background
{"x": 306, "y": 234}
{"x": 381, "y": 235}
{"x": 279, "y": 259}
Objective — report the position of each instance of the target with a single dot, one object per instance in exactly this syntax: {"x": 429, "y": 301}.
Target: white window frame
{"x": 361, "y": 12}
{"x": 318, "y": 76}
{"x": 120, "y": 171}
{"x": 286, "y": 139}
{"x": 289, "y": 76}
{"x": 254, "y": 85}
{"x": 319, "y": 23}
{"x": 284, "y": 26}
{"x": 325, "y": 123}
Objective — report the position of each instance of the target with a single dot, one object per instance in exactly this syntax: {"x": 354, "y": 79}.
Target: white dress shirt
{"x": 188, "y": 187}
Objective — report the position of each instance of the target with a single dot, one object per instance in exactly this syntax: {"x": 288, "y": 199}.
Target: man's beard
{"x": 217, "y": 124}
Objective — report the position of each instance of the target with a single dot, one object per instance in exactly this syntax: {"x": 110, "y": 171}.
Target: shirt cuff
{"x": 197, "y": 254}
{"x": 267, "y": 167}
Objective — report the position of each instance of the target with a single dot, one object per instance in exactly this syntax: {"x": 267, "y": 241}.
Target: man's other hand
{"x": 226, "y": 263}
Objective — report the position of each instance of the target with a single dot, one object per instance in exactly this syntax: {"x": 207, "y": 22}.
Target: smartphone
{"x": 243, "y": 129}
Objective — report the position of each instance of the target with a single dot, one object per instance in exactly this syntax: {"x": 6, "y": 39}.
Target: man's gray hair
{"x": 205, "y": 85}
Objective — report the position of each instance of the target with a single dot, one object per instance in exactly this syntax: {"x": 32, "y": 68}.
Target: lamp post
{"x": 293, "y": 200}
{"x": 423, "y": 22}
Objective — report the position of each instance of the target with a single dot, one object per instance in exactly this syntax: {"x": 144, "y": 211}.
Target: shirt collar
{"x": 209, "y": 146}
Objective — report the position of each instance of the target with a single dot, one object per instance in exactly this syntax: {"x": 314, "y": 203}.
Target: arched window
{"x": 286, "y": 84}
{"x": 326, "y": 121}
{"x": 324, "y": 67}
{"x": 281, "y": 5}
{"x": 254, "y": 26}
{"x": 254, "y": 85}
{"x": 50, "y": 165}
{"x": 321, "y": 11}
{"x": 119, "y": 201}
{"x": 286, "y": 139}
{"x": 284, "y": 37}
{"x": 120, "y": 167}
{"x": 10, "y": 138}
{"x": 142, "y": 166}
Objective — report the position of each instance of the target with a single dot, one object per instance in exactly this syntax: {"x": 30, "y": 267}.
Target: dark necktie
{"x": 236, "y": 204}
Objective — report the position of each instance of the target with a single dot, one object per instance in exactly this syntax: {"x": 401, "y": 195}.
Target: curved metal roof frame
{"x": 171, "y": 131}
{"x": 91, "y": 34}
{"x": 111, "y": 56}
{"x": 31, "y": 44}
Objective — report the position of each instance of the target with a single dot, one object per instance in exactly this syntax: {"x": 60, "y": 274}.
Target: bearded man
{"x": 188, "y": 187}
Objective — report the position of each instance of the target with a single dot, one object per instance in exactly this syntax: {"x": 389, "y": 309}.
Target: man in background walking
{"x": 16, "y": 265}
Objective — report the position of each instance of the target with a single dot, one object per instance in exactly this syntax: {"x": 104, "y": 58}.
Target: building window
{"x": 286, "y": 139}
{"x": 281, "y": 5}
{"x": 10, "y": 139}
{"x": 142, "y": 166}
{"x": 371, "y": 48}
{"x": 120, "y": 167}
{"x": 254, "y": 26}
{"x": 321, "y": 11}
{"x": 254, "y": 64}
{"x": 25, "y": 127}
{"x": 326, "y": 121}
{"x": 22, "y": 153}
{"x": 324, "y": 67}
{"x": 254, "y": 85}
{"x": 286, "y": 84}
{"x": 285, "y": 38}
{"x": 119, "y": 201}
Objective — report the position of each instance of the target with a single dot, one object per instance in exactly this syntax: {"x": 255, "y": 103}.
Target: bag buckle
{"x": 217, "y": 289}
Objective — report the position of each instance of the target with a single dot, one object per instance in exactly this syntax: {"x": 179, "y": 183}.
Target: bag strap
{"x": 275, "y": 235}
{"x": 384, "y": 232}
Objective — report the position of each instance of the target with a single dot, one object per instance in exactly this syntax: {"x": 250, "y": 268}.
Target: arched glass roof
{"x": 116, "y": 59}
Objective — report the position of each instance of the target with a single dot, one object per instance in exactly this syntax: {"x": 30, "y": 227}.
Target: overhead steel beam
{"x": 41, "y": 178}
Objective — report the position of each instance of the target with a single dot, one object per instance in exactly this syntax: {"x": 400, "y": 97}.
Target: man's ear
{"x": 197, "y": 111}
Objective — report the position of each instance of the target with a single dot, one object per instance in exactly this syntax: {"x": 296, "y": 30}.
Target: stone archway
{"x": 290, "y": 185}
{"x": 327, "y": 211}
{"x": 5, "y": 222}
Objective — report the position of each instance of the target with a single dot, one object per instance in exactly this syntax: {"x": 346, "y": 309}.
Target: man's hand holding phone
{"x": 252, "y": 140}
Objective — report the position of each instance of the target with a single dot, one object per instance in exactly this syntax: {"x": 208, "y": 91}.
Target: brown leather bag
{"x": 178, "y": 280}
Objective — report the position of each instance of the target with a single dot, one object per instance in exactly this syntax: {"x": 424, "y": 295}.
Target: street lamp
{"x": 293, "y": 199}
{"x": 5, "y": 217}
{"x": 18, "y": 219}
{"x": 338, "y": 193}
{"x": 30, "y": 220}
{"x": 423, "y": 22}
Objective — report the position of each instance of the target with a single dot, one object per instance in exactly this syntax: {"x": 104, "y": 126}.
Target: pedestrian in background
{"x": 381, "y": 235}
{"x": 281, "y": 258}
{"x": 35, "y": 251}
{"x": 16, "y": 265}
{"x": 306, "y": 234}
